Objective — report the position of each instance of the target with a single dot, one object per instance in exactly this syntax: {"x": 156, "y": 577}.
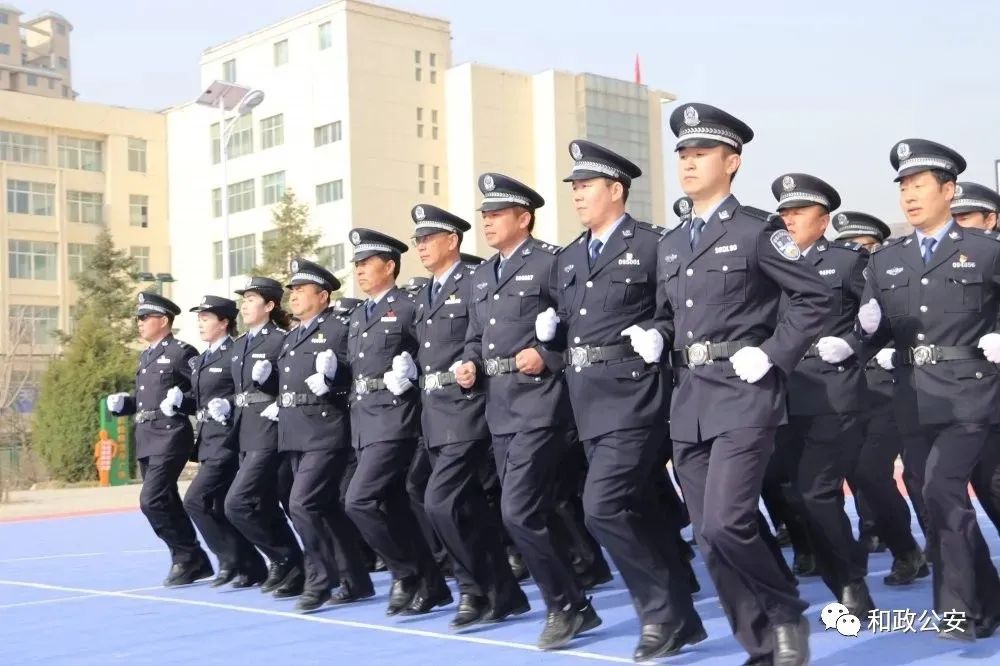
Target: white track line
{"x": 317, "y": 619}
{"x": 41, "y": 602}
{"x": 67, "y": 556}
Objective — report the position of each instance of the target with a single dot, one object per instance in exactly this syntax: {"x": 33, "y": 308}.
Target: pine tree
{"x": 293, "y": 238}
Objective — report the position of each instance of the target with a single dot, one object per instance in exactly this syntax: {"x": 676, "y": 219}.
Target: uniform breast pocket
{"x": 896, "y": 296}
{"x": 628, "y": 291}
{"x": 727, "y": 280}
{"x": 836, "y": 286}
{"x": 964, "y": 293}
{"x": 527, "y": 300}
{"x": 455, "y": 320}
{"x": 392, "y": 335}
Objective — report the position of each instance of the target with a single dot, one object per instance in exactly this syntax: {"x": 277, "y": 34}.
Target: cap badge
{"x": 488, "y": 184}
{"x": 788, "y": 183}
{"x": 958, "y": 190}
{"x": 295, "y": 265}
{"x": 355, "y": 237}
{"x": 418, "y": 213}
{"x": 841, "y": 218}
{"x": 142, "y": 298}
{"x": 575, "y": 151}
{"x": 903, "y": 151}
{"x": 685, "y": 206}
{"x": 249, "y": 283}
{"x": 691, "y": 118}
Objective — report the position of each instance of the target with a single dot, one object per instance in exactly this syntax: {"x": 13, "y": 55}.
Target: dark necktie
{"x": 697, "y": 226}
{"x": 369, "y": 308}
{"x": 928, "y": 248}
{"x": 435, "y": 292}
{"x": 500, "y": 266}
{"x": 595, "y": 250}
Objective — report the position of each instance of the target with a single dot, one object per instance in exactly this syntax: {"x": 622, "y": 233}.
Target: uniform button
{"x": 589, "y": 284}
{"x": 291, "y": 353}
{"x": 689, "y": 303}
{"x": 690, "y": 335}
{"x": 493, "y": 322}
{"x": 361, "y": 355}
{"x": 168, "y": 427}
{"x": 142, "y": 388}
{"x": 323, "y": 413}
{"x": 920, "y": 336}
{"x": 840, "y": 368}
{"x": 287, "y": 369}
{"x": 364, "y": 335}
{"x": 577, "y": 368}
{"x": 923, "y": 308}
{"x": 144, "y": 371}
{"x": 520, "y": 293}
{"x": 924, "y": 281}
{"x": 628, "y": 280}
{"x": 427, "y": 368}
{"x": 492, "y": 346}
{"x": 285, "y": 387}
{"x": 430, "y": 321}
{"x": 725, "y": 268}
{"x": 140, "y": 404}
{"x": 576, "y": 341}
{"x": 979, "y": 375}
{"x": 427, "y": 344}
{"x": 689, "y": 272}
{"x": 496, "y": 297}
{"x": 583, "y": 311}
{"x": 634, "y": 374}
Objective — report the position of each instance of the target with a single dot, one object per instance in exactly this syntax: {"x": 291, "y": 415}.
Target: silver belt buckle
{"x": 200, "y": 415}
{"x": 579, "y": 358}
{"x": 241, "y": 399}
{"x": 287, "y": 400}
{"x": 492, "y": 367}
{"x": 923, "y": 355}
{"x": 698, "y": 354}
{"x": 432, "y": 382}
{"x": 361, "y": 386}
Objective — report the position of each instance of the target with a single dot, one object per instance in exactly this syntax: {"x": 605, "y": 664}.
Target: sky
{"x": 827, "y": 87}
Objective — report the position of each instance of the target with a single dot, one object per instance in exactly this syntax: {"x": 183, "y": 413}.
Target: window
{"x": 229, "y": 71}
{"x": 4, "y": 48}
{"x": 242, "y": 255}
{"x": 241, "y": 196}
{"x": 241, "y": 137}
{"x": 434, "y": 124}
{"x": 416, "y": 73}
{"x": 24, "y": 148}
{"x": 39, "y": 322}
{"x": 78, "y": 258}
{"x": 420, "y": 131}
{"x": 138, "y": 210}
{"x": 3, "y": 18}
{"x": 281, "y": 53}
{"x": 325, "y": 134}
{"x": 213, "y": 135}
{"x": 327, "y": 192}
{"x": 31, "y": 260}
{"x": 63, "y": 63}
{"x": 432, "y": 59}
{"x": 65, "y": 91}
{"x": 84, "y": 154}
{"x": 86, "y": 207}
{"x": 52, "y": 84}
{"x": 273, "y": 186}
{"x": 28, "y": 198}
{"x": 420, "y": 125}
{"x": 140, "y": 255}
{"x": 331, "y": 256}
{"x": 32, "y": 79}
{"x": 420, "y": 178}
{"x": 434, "y": 76}
{"x": 325, "y": 36}
{"x": 217, "y": 202}
{"x": 272, "y": 131}
{"x": 137, "y": 155}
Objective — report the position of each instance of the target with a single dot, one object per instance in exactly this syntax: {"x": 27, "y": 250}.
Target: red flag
{"x": 638, "y": 70}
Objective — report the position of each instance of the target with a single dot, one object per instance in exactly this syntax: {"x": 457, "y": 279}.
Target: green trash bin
{"x": 120, "y": 429}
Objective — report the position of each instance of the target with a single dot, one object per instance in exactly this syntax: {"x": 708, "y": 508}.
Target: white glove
{"x": 885, "y": 357}
{"x": 317, "y": 384}
{"x": 404, "y": 367}
{"x": 455, "y": 366}
{"x": 545, "y": 325}
{"x": 833, "y": 350}
{"x": 170, "y": 404}
{"x": 647, "y": 344}
{"x": 271, "y": 412}
{"x": 869, "y": 316}
{"x": 398, "y": 385}
{"x": 218, "y": 409}
{"x": 261, "y": 371}
{"x": 990, "y": 344}
{"x": 326, "y": 363}
{"x": 116, "y": 402}
{"x": 750, "y": 364}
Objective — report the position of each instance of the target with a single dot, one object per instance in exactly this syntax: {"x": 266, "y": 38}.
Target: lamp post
{"x": 226, "y": 97}
{"x": 159, "y": 279}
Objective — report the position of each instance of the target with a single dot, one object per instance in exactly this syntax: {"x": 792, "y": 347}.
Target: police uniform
{"x": 314, "y": 433}
{"x": 216, "y": 448}
{"x": 252, "y": 504}
{"x": 720, "y": 282}
{"x": 453, "y": 422}
{"x": 164, "y": 444}
{"x": 384, "y": 431}
{"x": 938, "y": 297}
{"x": 620, "y": 406}
{"x": 821, "y": 443}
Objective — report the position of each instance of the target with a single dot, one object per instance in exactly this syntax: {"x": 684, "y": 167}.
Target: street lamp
{"x": 227, "y": 97}
{"x": 159, "y": 279}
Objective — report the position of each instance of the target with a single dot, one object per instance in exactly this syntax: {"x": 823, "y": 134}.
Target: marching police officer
{"x": 620, "y": 394}
{"x": 936, "y": 293}
{"x": 822, "y": 440}
{"x": 313, "y": 432}
{"x": 215, "y": 442}
{"x": 385, "y": 425}
{"x": 252, "y": 504}
{"x": 163, "y": 442}
{"x": 721, "y": 277}
{"x": 454, "y": 427}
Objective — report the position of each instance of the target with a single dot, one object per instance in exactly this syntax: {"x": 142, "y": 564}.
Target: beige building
{"x": 68, "y": 169}
{"x": 365, "y": 116}
{"x": 34, "y": 54}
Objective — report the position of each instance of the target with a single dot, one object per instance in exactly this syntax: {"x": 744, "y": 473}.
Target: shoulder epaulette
{"x": 649, "y": 227}
{"x": 548, "y": 247}
{"x": 759, "y": 214}
{"x": 848, "y": 245}
{"x": 183, "y": 345}
{"x": 241, "y": 335}
{"x": 993, "y": 235}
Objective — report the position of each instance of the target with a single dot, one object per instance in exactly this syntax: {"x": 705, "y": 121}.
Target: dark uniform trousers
{"x": 205, "y": 501}
{"x": 784, "y": 501}
{"x": 416, "y": 488}
{"x": 161, "y": 503}
{"x": 252, "y": 506}
{"x": 986, "y": 478}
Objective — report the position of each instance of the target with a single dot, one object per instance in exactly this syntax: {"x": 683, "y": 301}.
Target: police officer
{"x": 215, "y": 445}
{"x": 454, "y": 426}
{"x": 721, "y": 278}
{"x": 822, "y": 440}
{"x": 936, "y": 293}
{"x": 385, "y": 424}
{"x": 314, "y": 434}
{"x": 620, "y": 394}
{"x": 252, "y": 504}
{"x": 880, "y": 504}
{"x": 976, "y": 206}
{"x": 163, "y": 442}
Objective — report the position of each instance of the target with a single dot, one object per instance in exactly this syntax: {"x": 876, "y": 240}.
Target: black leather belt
{"x": 433, "y": 381}
{"x": 252, "y": 398}
{"x": 500, "y": 366}
{"x": 301, "y": 399}
{"x": 586, "y": 356}
{"x": 706, "y": 353}
{"x": 931, "y": 354}
{"x": 146, "y": 415}
{"x": 366, "y": 385}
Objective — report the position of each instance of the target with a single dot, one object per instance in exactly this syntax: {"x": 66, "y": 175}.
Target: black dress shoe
{"x": 515, "y": 603}
{"x": 804, "y": 565}
{"x": 292, "y": 585}
{"x": 518, "y": 567}
{"x": 759, "y": 661}
{"x": 987, "y": 626}
{"x": 250, "y": 575}
{"x": 966, "y": 631}
{"x": 380, "y": 564}
{"x": 346, "y": 594}
{"x": 185, "y": 574}
{"x": 663, "y": 640}
{"x": 311, "y": 600}
{"x": 276, "y": 575}
{"x": 562, "y": 626}
{"x": 907, "y": 568}
{"x": 791, "y": 643}
{"x": 425, "y": 602}
{"x": 858, "y": 599}
{"x": 471, "y": 610}
{"x": 400, "y": 596}
{"x": 597, "y": 574}
{"x": 223, "y": 577}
